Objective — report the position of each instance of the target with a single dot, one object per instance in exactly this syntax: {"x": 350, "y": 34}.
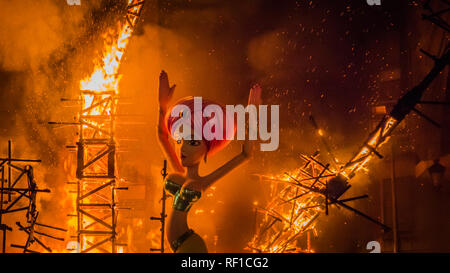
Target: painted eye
{"x": 178, "y": 141}
{"x": 194, "y": 142}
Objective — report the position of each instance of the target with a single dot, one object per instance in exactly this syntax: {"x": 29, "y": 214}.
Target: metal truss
{"x": 299, "y": 198}
{"x": 96, "y": 207}
{"x": 96, "y": 202}
{"x": 18, "y": 193}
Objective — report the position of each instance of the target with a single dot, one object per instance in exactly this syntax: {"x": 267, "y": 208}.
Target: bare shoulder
{"x": 199, "y": 184}
{"x": 176, "y": 177}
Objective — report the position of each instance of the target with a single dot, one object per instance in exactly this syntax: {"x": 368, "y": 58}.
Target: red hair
{"x": 214, "y": 145}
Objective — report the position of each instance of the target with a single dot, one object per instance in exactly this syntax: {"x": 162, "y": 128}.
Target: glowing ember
{"x": 374, "y": 142}
{"x": 292, "y": 211}
{"x": 294, "y": 208}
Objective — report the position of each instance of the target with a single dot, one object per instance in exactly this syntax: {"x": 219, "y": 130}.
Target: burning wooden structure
{"x": 312, "y": 188}
{"x": 97, "y": 183}
{"x": 96, "y": 208}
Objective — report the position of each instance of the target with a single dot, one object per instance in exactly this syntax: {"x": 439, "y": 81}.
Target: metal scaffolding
{"x": 96, "y": 173}
{"x": 18, "y": 193}
{"x": 96, "y": 202}
{"x": 96, "y": 208}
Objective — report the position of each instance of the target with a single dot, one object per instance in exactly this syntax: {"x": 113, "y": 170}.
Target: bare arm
{"x": 224, "y": 169}
{"x": 247, "y": 147}
{"x": 165, "y": 94}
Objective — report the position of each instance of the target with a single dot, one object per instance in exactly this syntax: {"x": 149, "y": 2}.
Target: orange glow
{"x": 99, "y": 93}
{"x": 378, "y": 138}
{"x": 292, "y": 211}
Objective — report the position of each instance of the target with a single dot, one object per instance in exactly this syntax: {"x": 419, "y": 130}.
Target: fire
{"x": 94, "y": 199}
{"x": 103, "y": 83}
{"x": 379, "y": 137}
{"x": 105, "y": 76}
{"x": 292, "y": 211}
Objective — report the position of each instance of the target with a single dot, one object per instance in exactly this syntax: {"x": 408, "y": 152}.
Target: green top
{"x": 182, "y": 200}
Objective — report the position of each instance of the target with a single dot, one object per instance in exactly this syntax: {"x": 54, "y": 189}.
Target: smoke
{"x": 302, "y": 53}
{"x": 37, "y": 61}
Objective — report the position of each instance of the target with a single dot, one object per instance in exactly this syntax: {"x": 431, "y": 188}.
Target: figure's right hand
{"x": 165, "y": 90}
{"x": 254, "y": 98}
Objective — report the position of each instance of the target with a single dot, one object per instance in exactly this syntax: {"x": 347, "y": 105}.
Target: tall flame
{"x": 99, "y": 98}
{"x": 105, "y": 76}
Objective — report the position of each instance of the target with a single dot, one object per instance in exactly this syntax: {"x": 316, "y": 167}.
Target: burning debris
{"x": 313, "y": 187}
{"x": 293, "y": 210}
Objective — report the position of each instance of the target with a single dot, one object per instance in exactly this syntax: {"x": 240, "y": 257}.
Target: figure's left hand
{"x": 254, "y": 98}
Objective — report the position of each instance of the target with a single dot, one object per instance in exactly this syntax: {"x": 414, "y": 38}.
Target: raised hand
{"x": 164, "y": 95}
{"x": 247, "y": 147}
{"x": 165, "y": 90}
{"x": 254, "y": 98}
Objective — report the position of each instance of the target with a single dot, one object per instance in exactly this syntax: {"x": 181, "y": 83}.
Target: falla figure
{"x": 184, "y": 183}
